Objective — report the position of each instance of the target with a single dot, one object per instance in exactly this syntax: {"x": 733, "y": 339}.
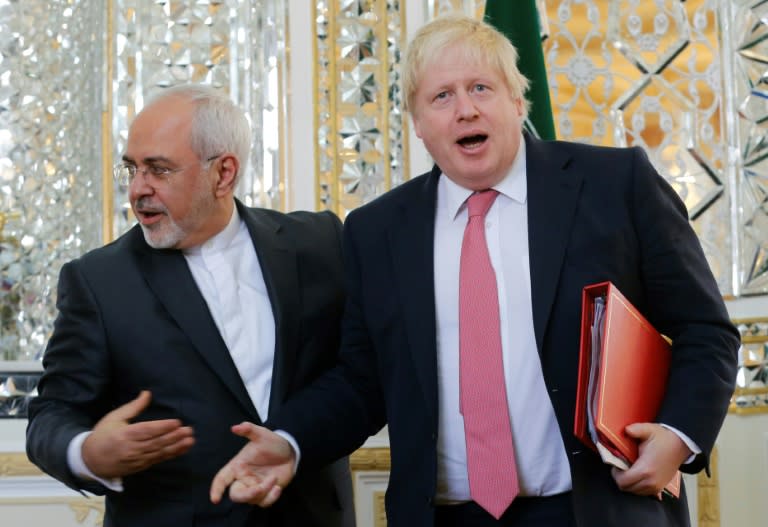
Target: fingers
{"x": 223, "y": 479}
{"x": 634, "y": 481}
{"x": 248, "y": 430}
{"x": 156, "y": 432}
{"x": 256, "y": 491}
{"x": 641, "y": 431}
{"x": 272, "y": 496}
{"x": 131, "y": 409}
{"x": 258, "y": 473}
{"x": 263, "y": 493}
{"x": 268, "y": 448}
{"x": 661, "y": 452}
{"x": 116, "y": 449}
{"x": 166, "y": 446}
{"x": 110, "y": 458}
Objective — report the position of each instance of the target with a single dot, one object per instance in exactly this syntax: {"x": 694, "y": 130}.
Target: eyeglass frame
{"x": 125, "y": 172}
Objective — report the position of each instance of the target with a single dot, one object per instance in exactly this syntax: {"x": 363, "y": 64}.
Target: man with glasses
{"x": 204, "y": 315}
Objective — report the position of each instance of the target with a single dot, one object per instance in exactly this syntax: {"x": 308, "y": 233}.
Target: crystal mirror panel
{"x": 648, "y": 74}
{"x": 238, "y": 46}
{"x": 745, "y": 28}
{"x": 51, "y": 109}
{"x": 360, "y": 127}
{"x": 751, "y": 393}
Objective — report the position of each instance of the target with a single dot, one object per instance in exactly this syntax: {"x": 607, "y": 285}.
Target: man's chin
{"x": 157, "y": 239}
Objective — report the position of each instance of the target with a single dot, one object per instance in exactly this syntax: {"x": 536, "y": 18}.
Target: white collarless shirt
{"x": 226, "y": 270}
{"x": 542, "y": 463}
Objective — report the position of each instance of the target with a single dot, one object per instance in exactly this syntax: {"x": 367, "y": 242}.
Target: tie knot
{"x": 479, "y": 202}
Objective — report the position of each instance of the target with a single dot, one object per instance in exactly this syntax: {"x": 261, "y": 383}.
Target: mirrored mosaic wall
{"x": 50, "y": 159}
{"x": 745, "y": 27}
{"x": 751, "y": 394}
{"x": 685, "y": 81}
{"x": 16, "y": 390}
{"x": 69, "y": 88}
{"x": 362, "y": 146}
{"x": 649, "y": 74}
{"x": 236, "y": 45}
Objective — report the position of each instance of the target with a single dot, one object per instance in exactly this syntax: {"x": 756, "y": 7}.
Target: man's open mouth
{"x": 472, "y": 141}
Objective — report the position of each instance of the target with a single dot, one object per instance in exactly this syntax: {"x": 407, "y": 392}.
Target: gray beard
{"x": 165, "y": 238}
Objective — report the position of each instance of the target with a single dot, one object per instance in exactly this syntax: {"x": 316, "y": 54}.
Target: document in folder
{"x": 623, "y": 368}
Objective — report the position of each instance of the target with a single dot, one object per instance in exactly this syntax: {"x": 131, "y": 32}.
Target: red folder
{"x": 630, "y": 380}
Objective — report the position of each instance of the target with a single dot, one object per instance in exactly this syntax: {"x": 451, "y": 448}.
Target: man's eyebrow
{"x": 147, "y": 160}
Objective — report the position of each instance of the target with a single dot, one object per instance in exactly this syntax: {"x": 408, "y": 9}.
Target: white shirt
{"x": 542, "y": 464}
{"x": 227, "y": 272}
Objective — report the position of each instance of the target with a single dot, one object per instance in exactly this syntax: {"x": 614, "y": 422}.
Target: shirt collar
{"x": 513, "y": 186}
{"x": 221, "y": 240}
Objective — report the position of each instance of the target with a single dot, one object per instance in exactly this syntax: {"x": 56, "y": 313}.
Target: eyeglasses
{"x": 124, "y": 172}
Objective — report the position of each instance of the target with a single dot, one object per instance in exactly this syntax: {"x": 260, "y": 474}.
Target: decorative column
{"x": 359, "y": 123}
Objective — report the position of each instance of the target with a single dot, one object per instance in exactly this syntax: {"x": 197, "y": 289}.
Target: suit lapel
{"x": 278, "y": 261}
{"x": 412, "y": 242}
{"x": 169, "y": 277}
{"x": 552, "y": 199}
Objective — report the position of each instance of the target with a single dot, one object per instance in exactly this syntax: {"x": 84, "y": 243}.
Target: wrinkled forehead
{"x": 165, "y": 124}
{"x": 459, "y": 54}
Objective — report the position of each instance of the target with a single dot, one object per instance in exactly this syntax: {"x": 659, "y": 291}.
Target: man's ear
{"x": 227, "y": 169}
{"x": 519, "y": 106}
{"x": 416, "y": 125}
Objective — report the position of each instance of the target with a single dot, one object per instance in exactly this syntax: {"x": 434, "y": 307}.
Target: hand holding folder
{"x": 623, "y": 367}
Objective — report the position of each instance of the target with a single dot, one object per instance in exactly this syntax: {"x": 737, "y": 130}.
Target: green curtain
{"x": 519, "y": 21}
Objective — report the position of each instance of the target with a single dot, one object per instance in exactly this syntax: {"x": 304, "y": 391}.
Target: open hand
{"x": 259, "y": 472}
{"x": 116, "y": 447}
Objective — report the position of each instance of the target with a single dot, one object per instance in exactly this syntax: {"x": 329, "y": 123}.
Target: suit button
{"x": 430, "y": 501}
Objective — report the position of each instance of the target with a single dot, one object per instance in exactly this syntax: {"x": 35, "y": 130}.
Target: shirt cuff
{"x": 294, "y": 445}
{"x": 693, "y": 447}
{"x": 79, "y": 468}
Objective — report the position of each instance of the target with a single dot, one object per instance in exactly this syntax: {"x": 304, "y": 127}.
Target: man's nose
{"x": 139, "y": 185}
{"x": 465, "y": 106}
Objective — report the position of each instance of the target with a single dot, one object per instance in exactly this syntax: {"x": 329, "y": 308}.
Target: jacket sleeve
{"x": 684, "y": 302}
{"x": 73, "y": 386}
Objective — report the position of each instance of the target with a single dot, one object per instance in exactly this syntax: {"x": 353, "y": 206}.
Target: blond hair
{"x": 479, "y": 42}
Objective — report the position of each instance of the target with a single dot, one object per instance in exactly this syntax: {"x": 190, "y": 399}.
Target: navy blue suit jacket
{"x": 594, "y": 214}
{"x": 132, "y": 318}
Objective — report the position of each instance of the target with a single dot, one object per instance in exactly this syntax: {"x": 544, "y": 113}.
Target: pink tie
{"x": 490, "y": 453}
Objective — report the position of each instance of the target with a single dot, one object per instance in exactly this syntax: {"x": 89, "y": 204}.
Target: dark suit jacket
{"x": 132, "y": 318}
{"x": 594, "y": 214}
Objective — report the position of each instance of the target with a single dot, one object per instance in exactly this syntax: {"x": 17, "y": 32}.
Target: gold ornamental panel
{"x": 648, "y": 74}
{"x": 85, "y": 511}
{"x": 708, "y": 494}
{"x": 360, "y": 129}
{"x": 17, "y": 464}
